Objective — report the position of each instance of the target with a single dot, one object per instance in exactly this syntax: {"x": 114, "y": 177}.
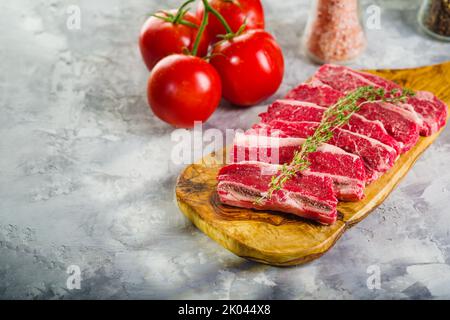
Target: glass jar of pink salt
{"x": 334, "y": 33}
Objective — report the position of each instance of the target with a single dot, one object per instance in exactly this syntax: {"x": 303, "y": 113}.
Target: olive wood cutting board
{"x": 283, "y": 239}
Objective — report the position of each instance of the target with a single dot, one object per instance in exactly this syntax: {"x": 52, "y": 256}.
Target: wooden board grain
{"x": 282, "y": 239}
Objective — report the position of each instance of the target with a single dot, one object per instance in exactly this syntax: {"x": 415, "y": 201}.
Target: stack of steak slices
{"x": 308, "y": 196}
{"x": 358, "y": 153}
{"x": 346, "y": 170}
{"x": 429, "y": 109}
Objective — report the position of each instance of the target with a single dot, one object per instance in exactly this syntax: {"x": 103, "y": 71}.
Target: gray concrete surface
{"x": 86, "y": 177}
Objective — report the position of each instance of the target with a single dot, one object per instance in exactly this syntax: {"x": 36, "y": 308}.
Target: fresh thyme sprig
{"x": 334, "y": 117}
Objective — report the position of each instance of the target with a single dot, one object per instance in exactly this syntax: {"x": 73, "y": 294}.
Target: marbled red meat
{"x": 400, "y": 123}
{"x": 431, "y": 110}
{"x": 291, "y": 110}
{"x": 359, "y": 152}
{"x": 377, "y": 156}
{"x": 346, "y": 169}
{"x": 321, "y": 95}
{"x": 308, "y": 196}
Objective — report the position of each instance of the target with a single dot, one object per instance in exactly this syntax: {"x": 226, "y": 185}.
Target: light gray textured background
{"x": 86, "y": 176}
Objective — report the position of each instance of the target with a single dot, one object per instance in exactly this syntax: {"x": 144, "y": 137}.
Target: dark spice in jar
{"x": 438, "y": 17}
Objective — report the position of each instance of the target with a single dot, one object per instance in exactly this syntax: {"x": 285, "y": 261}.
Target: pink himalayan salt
{"x": 334, "y": 33}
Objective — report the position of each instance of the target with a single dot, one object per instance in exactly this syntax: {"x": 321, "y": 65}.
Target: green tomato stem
{"x": 218, "y": 16}
{"x": 200, "y": 32}
{"x": 181, "y": 12}
{"x": 183, "y": 22}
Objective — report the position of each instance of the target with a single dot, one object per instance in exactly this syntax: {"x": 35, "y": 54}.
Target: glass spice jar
{"x": 334, "y": 33}
{"x": 434, "y": 18}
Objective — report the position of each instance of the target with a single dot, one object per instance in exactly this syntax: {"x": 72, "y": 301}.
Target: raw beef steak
{"x": 430, "y": 109}
{"x": 357, "y": 153}
{"x": 342, "y": 78}
{"x": 346, "y": 169}
{"x": 376, "y": 155}
{"x": 400, "y": 123}
{"x": 308, "y": 196}
{"x": 322, "y": 95}
{"x": 345, "y": 79}
{"x": 291, "y": 110}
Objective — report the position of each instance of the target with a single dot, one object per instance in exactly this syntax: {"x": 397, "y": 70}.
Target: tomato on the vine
{"x": 251, "y": 67}
{"x": 183, "y": 89}
{"x": 236, "y": 13}
{"x": 168, "y": 34}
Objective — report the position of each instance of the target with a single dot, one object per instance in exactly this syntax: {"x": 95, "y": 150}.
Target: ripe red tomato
{"x": 160, "y": 38}
{"x": 251, "y": 67}
{"x": 183, "y": 89}
{"x": 235, "y": 12}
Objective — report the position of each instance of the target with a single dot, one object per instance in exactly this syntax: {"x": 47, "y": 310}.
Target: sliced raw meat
{"x": 346, "y": 169}
{"x": 386, "y": 84}
{"x": 432, "y": 111}
{"x": 291, "y": 110}
{"x": 322, "y": 95}
{"x": 376, "y": 155}
{"x": 308, "y": 196}
{"x": 400, "y": 123}
{"x": 372, "y": 129}
{"x": 341, "y": 78}
{"x": 345, "y": 79}
{"x": 359, "y": 151}
{"x": 372, "y": 175}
